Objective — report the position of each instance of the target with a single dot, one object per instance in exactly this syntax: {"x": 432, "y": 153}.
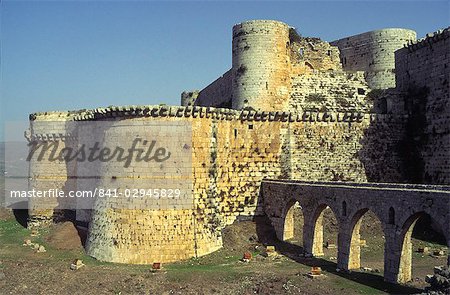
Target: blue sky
{"x": 84, "y": 54}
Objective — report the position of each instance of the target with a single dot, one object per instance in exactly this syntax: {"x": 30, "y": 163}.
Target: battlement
{"x": 263, "y": 23}
{"x": 196, "y": 112}
{"x": 429, "y": 39}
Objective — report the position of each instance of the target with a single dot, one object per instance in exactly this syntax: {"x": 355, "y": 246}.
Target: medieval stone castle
{"x": 343, "y": 125}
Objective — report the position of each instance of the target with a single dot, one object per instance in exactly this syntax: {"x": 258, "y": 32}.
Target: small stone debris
{"x": 333, "y": 258}
{"x": 362, "y": 243}
{"x": 270, "y": 248}
{"x": 34, "y": 233}
{"x": 41, "y": 249}
{"x": 253, "y": 238}
{"x": 270, "y": 251}
{"x": 156, "y": 266}
{"x": 424, "y": 250}
{"x": 76, "y": 264}
{"x": 438, "y": 253}
{"x": 316, "y": 272}
{"x": 439, "y": 282}
{"x": 27, "y": 243}
{"x": 366, "y": 269}
{"x": 330, "y": 245}
{"x": 247, "y": 257}
{"x": 35, "y": 246}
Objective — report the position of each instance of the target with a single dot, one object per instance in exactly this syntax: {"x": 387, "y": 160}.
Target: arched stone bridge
{"x": 397, "y": 206}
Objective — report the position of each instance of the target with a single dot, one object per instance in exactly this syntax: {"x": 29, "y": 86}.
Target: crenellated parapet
{"x": 50, "y": 137}
{"x": 428, "y": 40}
{"x": 197, "y": 112}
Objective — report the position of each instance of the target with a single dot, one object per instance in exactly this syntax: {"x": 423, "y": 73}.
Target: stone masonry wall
{"x": 423, "y": 74}
{"x": 373, "y": 52}
{"x": 188, "y": 98}
{"x": 309, "y": 54}
{"x": 217, "y": 94}
{"x": 367, "y": 151}
{"x": 232, "y": 151}
{"x": 330, "y": 91}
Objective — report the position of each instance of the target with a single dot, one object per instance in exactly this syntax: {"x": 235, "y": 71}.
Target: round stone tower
{"x": 373, "y": 52}
{"x": 260, "y": 65}
{"x": 137, "y": 216}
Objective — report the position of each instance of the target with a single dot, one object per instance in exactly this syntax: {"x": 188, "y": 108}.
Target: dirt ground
{"x": 23, "y": 271}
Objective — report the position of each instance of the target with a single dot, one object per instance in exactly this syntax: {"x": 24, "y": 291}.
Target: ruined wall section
{"x": 309, "y": 54}
{"x": 373, "y": 53}
{"x": 381, "y": 147}
{"x": 423, "y": 74}
{"x": 217, "y": 94}
{"x": 260, "y": 65}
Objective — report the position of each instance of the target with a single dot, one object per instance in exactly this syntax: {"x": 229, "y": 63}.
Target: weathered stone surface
{"x": 373, "y": 53}
{"x": 423, "y": 77}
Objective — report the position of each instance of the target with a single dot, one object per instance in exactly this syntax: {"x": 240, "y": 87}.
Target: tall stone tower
{"x": 373, "y": 53}
{"x": 261, "y": 65}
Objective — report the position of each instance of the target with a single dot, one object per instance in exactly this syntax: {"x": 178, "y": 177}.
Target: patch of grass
{"x": 12, "y": 233}
{"x": 188, "y": 272}
{"x": 355, "y": 287}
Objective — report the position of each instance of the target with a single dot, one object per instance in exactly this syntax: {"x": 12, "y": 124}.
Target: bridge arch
{"x": 406, "y": 250}
{"x": 313, "y": 235}
{"x": 289, "y": 221}
{"x": 354, "y": 247}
